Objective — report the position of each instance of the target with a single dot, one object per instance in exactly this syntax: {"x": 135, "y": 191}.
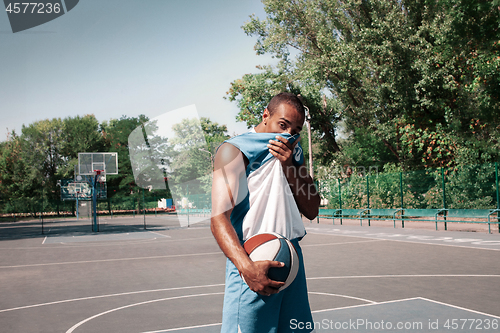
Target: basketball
{"x": 274, "y": 247}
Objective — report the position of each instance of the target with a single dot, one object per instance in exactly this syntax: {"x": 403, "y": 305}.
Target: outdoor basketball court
{"x": 171, "y": 279}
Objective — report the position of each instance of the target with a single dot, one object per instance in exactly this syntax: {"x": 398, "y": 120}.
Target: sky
{"x": 117, "y": 58}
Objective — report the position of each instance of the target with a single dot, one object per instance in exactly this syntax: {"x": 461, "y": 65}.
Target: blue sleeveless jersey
{"x": 269, "y": 205}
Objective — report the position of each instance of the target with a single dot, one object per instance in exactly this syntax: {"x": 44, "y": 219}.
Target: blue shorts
{"x": 251, "y": 312}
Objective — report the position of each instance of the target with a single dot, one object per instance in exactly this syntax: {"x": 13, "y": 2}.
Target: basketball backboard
{"x": 82, "y": 190}
{"x": 71, "y": 190}
{"x": 88, "y": 163}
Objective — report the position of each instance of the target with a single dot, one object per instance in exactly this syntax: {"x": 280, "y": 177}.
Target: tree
{"x": 115, "y": 134}
{"x": 383, "y": 68}
{"x": 32, "y": 164}
{"x": 80, "y": 134}
{"x": 214, "y": 134}
{"x": 195, "y": 143}
{"x": 253, "y": 92}
{"x": 42, "y": 144}
{"x": 150, "y": 156}
{"x": 13, "y": 168}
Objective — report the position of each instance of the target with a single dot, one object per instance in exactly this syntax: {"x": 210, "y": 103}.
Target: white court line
{"x": 145, "y": 241}
{"x": 208, "y": 325}
{"x": 183, "y": 328}
{"x": 220, "y": 285}
{"x": 118, "y": 259}
{"x": 44, "y": 240}
{"x": 402, "y": 276}
{"x": 404, "y": 300}
{"x": 344, "y": 296}
{"x": 459, "y": 307}
{"x": 342, "y": 243}
{"x": 156, "y": 233}
{"x": 345, "y": 307}
{"x": 150, "y": 291}
{"x": 136, "y": 304}
{"x": 49, "y": 246}
{"x": 122, "y": 242}
{"x": 401, "y": 240}
{"x": 363, "y": 305}
{"x": 110, "y": 295}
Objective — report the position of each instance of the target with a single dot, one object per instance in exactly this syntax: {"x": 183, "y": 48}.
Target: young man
{"x": 260, "y": 185}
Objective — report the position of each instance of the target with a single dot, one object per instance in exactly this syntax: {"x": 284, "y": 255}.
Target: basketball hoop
{"x": 95, "y": 166}
{"x": 71, "y": 190}
{"x": 89, "y": 163}
{"x": 101, "y": 176}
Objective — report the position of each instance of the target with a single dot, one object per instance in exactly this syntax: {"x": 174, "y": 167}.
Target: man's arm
{"x": 229, "y": 172}
{"x": 301, "y": 184}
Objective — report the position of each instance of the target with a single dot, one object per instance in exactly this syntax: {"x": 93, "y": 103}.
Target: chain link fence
{"x": 466, "y": 187}
{"x": 141, "y": 201}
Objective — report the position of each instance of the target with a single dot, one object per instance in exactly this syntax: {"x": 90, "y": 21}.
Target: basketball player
{"x": 260, "y": 185}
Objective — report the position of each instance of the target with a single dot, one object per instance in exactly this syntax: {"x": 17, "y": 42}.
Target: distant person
{"x": 260, "y": 184}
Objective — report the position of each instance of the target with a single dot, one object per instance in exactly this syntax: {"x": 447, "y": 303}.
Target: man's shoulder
{"x": 245, "y": 143}
{"x": 227, "y": 153}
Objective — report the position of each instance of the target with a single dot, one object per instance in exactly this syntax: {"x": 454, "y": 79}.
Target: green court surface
{"x": 170, "y": 279}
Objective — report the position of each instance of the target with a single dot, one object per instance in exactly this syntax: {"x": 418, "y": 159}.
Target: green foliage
{"x": 354, "y": 193}
{"x": 471, "y": 186}
{"x": 13, "y": 168}
{"x": 81, "y": 134}
{"x": 364, "y": 148}
{"x": 214, "y": 134}
{"x": 404, "y": 81}
{"x": 31, "y": 164}
{"x": 465, "y": 187}
{"x": 115, "y": 134}
{"x": 42, "y": 147}
{"x": 253, "y": 92}
{"x": 195, "y": 144}
{"x": 385, "y": 191}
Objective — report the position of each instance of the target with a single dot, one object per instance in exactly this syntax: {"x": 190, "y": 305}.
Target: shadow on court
{"x": 37, "y": 228}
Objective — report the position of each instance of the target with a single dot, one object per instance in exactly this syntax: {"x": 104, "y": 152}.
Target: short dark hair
{"x": 288, "y": 98}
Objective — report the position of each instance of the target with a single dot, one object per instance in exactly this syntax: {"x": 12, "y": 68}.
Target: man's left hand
{"x": 282, "y": 150}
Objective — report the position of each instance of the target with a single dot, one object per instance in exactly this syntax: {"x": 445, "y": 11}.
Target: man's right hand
{"x": 256, "y": 277}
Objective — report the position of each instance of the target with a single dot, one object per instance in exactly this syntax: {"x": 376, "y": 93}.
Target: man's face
{"x": 285, "y": 119}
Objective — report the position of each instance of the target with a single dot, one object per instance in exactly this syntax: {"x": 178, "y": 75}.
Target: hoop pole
{"x": 401, "y": 188}
{"x": 94, "y": 201}
{"x": 41, "y": 213}
{"x": 77, "y": 205}
{"x": 444, "y": 199}
{"x": 340, "y": 201}
{"x": 367, "y": 195}
{"x": 144, "y": 209}
{"x": 498, "y": 196}
{"x": 496, "y": 181}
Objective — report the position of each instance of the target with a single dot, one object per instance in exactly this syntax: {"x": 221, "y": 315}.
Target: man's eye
{"x": 283, "y": 126}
